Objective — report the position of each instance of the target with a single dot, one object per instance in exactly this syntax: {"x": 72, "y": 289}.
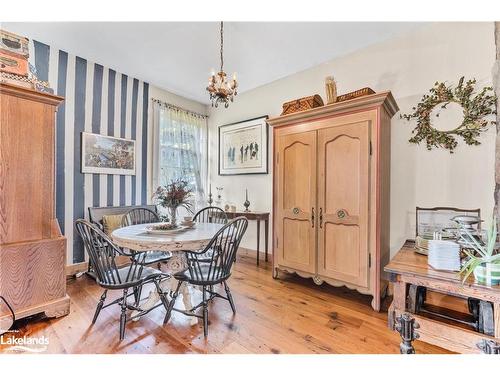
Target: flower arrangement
{"x": 483, "y": 260}
{"x": 174, "y": 195}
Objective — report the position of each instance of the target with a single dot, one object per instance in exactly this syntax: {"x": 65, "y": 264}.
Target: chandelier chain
{"x": 221, "y": 89}
{"x": 222, "y": 46}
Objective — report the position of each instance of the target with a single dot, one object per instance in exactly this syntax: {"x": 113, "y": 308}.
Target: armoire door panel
{"x": 343, "y": 197}
{"x": 296, "y": 201}
{"x": 296, "y": 238}
{"x": 342, "y": 174}
{"x": 341, "y": 258}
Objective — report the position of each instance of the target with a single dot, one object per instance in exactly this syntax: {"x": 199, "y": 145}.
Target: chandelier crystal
{"x": 221, "y": 90}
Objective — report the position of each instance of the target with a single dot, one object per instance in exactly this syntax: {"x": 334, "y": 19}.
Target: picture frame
{"x": 431, "y": 219}
{"x": 244, "y": 147}
{"x": 103, "y": 154}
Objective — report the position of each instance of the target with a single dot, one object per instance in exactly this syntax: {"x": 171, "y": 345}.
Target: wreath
{"x": 475, "y": 109}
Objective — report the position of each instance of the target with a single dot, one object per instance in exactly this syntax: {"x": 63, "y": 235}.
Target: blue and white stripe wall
{"x": 97, "y": 100}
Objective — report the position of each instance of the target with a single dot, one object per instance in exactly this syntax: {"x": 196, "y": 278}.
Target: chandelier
{"x": 221, "y": 90}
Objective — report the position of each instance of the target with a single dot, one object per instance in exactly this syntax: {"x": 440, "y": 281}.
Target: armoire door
{"x": 296, "y": 201}
{"x": 343, "y": 198}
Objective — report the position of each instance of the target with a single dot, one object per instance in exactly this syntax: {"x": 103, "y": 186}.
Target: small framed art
{"x": 243, "y": 147}
{"x": 107, "y": 155}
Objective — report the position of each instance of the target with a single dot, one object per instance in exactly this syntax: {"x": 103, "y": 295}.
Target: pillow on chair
{"x": 111, "y": 222}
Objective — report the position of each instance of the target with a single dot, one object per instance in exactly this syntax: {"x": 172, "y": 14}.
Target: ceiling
{"x": 179, "y": 56}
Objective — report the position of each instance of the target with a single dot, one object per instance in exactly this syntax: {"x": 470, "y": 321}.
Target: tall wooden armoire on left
{"x": 32, "y": 248}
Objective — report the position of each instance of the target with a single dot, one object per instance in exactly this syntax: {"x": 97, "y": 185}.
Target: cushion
{"x": 111, "y": 222}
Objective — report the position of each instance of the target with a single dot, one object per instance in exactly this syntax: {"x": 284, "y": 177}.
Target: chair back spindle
{"x": 140, "y": 216}
{"x": 102, "y": 253}
{"x": 211, "y": 214}
{"x": 221, "y": 252}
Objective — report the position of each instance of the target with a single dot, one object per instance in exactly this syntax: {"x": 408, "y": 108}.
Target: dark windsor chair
{"x": 144, "y": 216}
{"x": 211, "y": 214}
{"x": 223, "y": 247}
{"x": 103, "y": 252}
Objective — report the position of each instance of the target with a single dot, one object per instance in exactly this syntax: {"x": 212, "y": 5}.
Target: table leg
{"x": 175, "y": 264}
{"x": 266, "y": 235}
{"x": 496, "y": 312}
{"x": 258, "y": 240}
{"x": 398, "y": 303}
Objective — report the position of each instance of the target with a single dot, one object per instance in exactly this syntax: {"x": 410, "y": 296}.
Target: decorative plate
{"x": 164, "y": 228}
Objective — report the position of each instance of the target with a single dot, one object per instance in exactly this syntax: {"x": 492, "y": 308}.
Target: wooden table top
{"x": 248, "y": 215}
{"x": 136, "y": 238}
{"x": 408, "y": 262}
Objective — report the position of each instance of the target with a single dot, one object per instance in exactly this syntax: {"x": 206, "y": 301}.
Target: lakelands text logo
{"x": 25, "y": 343}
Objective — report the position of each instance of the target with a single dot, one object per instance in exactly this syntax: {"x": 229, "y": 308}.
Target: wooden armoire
{"x": 32, "y": 249}
{"x": 332, "y": 195}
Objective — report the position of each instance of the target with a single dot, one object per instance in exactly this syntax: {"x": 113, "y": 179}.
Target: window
{"x": 180, "y": 147}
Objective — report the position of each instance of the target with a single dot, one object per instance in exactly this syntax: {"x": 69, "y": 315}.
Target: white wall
{"x": 408, "y": 66}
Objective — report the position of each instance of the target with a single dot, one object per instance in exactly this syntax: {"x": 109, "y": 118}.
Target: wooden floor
{"x": 290, "y": 315}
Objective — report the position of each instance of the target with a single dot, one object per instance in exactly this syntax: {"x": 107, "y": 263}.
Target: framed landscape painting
{"x": 107, "y": 155}
{"x": 243, "y": 147}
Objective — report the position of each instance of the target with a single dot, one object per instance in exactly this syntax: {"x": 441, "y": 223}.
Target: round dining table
{"x": 139, "y": 238}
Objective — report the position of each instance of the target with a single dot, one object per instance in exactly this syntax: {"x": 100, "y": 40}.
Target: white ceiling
{"x": 179, "y": 56}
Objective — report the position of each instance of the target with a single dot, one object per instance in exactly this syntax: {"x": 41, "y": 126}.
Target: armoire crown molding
{"x": 384, "y": 99}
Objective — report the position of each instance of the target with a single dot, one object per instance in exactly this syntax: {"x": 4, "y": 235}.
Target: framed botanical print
{"x": 107, "y": 155}
{"x": 243, "y": 147}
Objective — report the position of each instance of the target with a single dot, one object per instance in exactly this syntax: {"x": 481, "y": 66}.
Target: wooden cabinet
{"x": 32, "y": 249}
{"x": 331, "y": 193}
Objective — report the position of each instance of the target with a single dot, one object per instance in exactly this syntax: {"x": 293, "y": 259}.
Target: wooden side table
{"x": 257, "y": 216}
{"x": 411, "y": 277}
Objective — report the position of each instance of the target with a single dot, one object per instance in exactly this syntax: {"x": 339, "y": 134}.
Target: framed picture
{"x": 435, "y": 219}
{"x": 243, "y": 147}
{"x": 107, "y": 155}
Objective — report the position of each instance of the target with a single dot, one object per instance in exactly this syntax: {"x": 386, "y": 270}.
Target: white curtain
{"x": 179, "y": 148}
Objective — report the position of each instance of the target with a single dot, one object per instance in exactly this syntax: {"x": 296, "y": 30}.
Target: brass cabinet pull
{"x": 312, "y": 217}
{"x": 341, "y": 214}
{"x": 321, "y": 217}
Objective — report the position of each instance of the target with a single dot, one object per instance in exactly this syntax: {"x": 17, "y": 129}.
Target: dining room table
{"x": 141, "y": 238}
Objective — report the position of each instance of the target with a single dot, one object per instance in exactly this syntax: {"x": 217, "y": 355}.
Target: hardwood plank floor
{"x": 290, "y": 315}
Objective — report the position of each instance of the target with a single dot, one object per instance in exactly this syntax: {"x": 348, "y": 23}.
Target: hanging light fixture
{"x": 221, "y": 90}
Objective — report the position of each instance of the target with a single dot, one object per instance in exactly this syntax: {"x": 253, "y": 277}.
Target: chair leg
{"x": 205, "y": 312}
{"x": 172, "y": 303}
{"x": 123, "y": 317}
{"x": 99, "y": 306}
{"x": 211, "y": 289}
{"x": 137, "y": 294}
{"x": 162, "y": 294}
{"x": 230, "y": 297}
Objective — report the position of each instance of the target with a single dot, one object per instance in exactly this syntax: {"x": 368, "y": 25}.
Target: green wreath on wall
{"x": 475, "y": 109}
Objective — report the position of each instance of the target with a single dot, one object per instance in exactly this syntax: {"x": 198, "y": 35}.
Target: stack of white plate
{"x": 444, "y": 255}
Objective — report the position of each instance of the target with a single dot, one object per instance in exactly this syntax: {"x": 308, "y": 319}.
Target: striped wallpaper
{"x": 97, "y": 100}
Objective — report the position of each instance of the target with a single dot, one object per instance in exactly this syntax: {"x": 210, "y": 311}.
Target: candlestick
{"x": 210, "y": 200}
{"x": 247, "y": 202}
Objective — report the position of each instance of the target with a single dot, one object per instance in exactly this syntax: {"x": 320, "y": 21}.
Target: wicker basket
{"x": 302, "y": 104}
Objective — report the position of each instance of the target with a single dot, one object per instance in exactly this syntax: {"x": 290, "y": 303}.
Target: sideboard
{"x": 32, "y": 248}
{"x": 412, "y": 277}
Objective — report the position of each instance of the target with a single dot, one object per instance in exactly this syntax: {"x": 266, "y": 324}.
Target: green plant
{"x": 176, "y": 194}
{"x": 482, "y": 253}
